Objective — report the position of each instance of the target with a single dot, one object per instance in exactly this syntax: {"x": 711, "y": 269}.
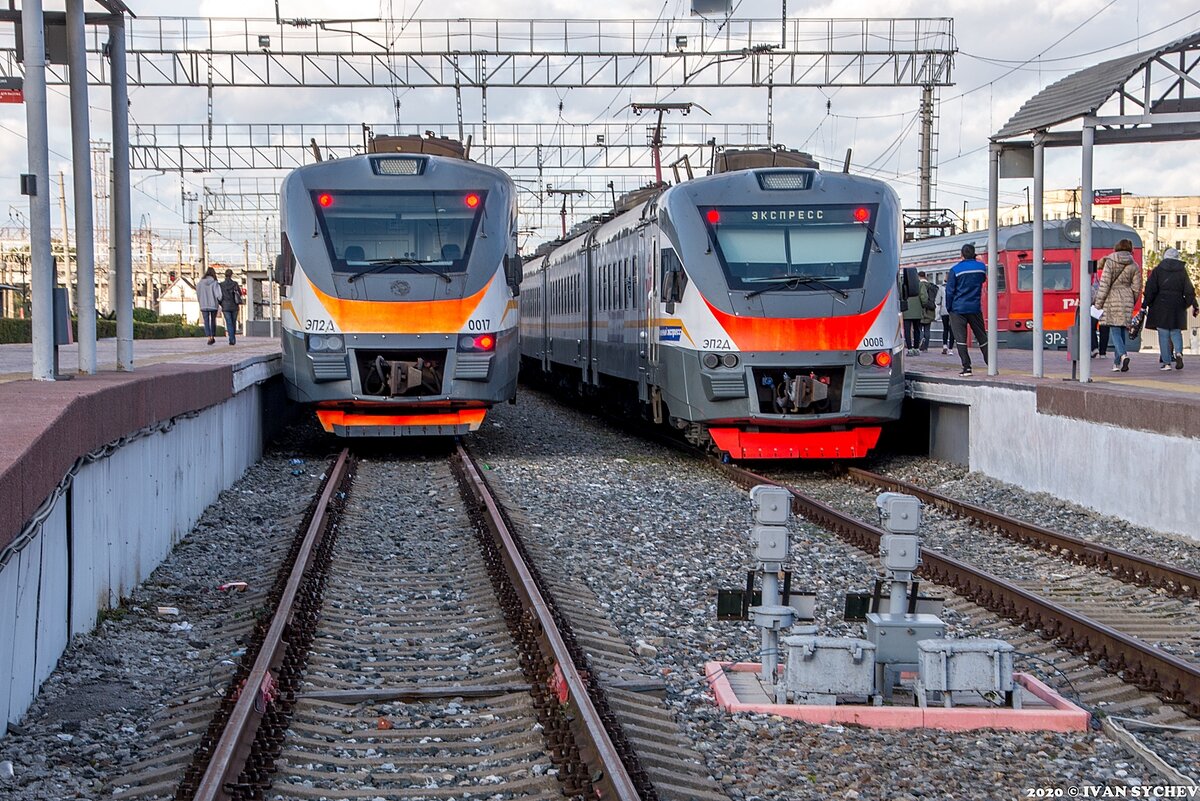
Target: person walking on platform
{"x": 1099, "y": 332}
{"x": 1169, "y": 292}
{"x": 964, "y": 291}
{"x": 944, "y": 315}
{"x": 231, "y": 298}
{"x": 1120, "y": 288}
{"x": 928, "y": 309}
{"x": 912, "y": 323}
{"x": 208, "y": 292}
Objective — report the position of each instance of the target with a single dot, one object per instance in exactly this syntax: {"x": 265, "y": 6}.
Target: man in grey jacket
{"x": 231, "y": 298}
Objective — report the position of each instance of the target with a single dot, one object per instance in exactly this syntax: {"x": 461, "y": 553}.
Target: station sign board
{"x": 1106, "y": 197}
{"x": 12, "y": 90}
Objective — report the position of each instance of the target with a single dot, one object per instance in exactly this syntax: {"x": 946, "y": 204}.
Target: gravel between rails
{"x": 654, "y": 534}
{"x": 98, "y": 710}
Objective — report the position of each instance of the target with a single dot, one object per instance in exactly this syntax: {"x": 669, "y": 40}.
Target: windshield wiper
{"x": 790, "y": 282}
{"x": 379, "y": 265}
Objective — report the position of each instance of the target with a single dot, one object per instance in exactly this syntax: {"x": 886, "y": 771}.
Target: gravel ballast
{"x": 655, "y": 533}
{"x": 94, "y": 715}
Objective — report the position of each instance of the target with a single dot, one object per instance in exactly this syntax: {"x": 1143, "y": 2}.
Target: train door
{"x": 543, "y": 299}
{"x": 588, "y": 290}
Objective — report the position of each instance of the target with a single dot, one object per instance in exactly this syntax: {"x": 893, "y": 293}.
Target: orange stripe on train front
{"x": 398, "y": 316}
{"x": 796, "y": 333}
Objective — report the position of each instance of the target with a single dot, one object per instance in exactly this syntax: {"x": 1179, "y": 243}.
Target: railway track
{"x": 1136, "y": 661}
{"x": 1124, "y": 565}
{"x": 409, "y": 648}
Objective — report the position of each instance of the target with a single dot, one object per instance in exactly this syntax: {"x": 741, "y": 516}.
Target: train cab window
{"x": 806, "y": 248}
{"x": 1057, "y": 276}
{"x": 419, "y": 232}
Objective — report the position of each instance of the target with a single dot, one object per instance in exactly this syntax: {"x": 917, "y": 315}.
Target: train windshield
{"x": 1057, "y": 276}
{"x": 398, "y": 231}
{"x": 796, "y": 248}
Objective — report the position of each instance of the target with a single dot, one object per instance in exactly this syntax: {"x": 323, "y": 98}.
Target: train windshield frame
{"x": 383, "y": 231}
{"x": 801, "y": 248}
{"x": 1053, "y": 273}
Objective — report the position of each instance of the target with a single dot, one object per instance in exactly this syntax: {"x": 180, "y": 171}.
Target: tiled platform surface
{"x": 48, "y": 425}
{"x": 1144, "y": 398}
{"x": 736, "y": 688}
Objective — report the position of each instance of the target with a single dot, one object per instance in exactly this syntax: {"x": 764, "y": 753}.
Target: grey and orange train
{"x": 400, "y": 274}
{"x": 756, "y": 310}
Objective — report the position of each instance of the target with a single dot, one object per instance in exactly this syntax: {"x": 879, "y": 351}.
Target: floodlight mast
{"x": 656, "y": 140}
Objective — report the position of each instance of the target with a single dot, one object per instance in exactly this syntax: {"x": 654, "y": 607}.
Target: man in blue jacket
{"x": 964, "y": 289}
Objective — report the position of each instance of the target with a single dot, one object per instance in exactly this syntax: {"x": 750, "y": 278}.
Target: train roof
{"x": 349, "y": 170}
{"x": 1015, "y": 237}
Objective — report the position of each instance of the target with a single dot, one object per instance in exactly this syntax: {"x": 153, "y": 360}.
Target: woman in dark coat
{"x": 1169, "y": 292}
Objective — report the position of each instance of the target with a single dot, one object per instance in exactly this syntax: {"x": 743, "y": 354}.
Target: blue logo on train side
{"x": 670, "y": 333}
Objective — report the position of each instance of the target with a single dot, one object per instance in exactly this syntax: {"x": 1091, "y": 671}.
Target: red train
{"x": 935, "y": 256}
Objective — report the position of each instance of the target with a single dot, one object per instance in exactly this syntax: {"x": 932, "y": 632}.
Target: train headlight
{"x": 883, "y": 359}
{"x": 710, "y": 360}
{"x": 730, "y": 360}
{"x": 473, "y": 343}
{"x": 325, "y": 343}
{"x": 865, "y": 358}
{"x": 1029, "y": 324}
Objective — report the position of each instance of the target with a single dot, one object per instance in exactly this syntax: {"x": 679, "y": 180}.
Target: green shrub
{"x": 170, "y": 318}
{"x": 15, "y": 330}
{"x": 145, "y": 315}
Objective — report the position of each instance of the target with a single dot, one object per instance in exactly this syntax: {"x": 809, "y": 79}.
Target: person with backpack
{"x": 944, "y": 315}
{"x": 914, "y": 310}
{"x": 928, "y": 298}
{"x": 964, "y": 294}
{"x": 231, "y": 299}
{"x": 1169, "y": 293}
{"x": 1120, "y": 288}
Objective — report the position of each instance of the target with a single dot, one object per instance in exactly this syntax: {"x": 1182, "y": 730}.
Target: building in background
{"x": 180, "y": 298}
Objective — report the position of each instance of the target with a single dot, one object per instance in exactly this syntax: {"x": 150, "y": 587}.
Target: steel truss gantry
{"x": 500, "y": 53}
{"x": 223, "y": 147}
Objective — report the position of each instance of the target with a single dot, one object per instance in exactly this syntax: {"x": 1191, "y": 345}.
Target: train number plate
{"x": 319, "y": 326}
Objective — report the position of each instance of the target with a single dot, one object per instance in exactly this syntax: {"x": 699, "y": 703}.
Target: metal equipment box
{"x": 820, "y": 669}
{"x": 981, "y": 667}
{"x": 896, "y": 636}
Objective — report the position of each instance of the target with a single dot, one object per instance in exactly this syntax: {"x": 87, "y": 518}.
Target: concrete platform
{"x": 101, "y": 475}
{"x": 16, "y": 361}
{"x": 737, "y": 688}
{"x": 1093, "y": 444}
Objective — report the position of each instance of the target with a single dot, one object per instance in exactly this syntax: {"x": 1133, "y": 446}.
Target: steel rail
{"x": 1126, "y": 566}
{"x": 230, "y": 754}
{"x": 1173, "y": 678}
{"x": 609, "y": 774}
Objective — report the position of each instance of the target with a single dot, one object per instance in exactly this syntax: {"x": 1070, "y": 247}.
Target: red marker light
{"x": 713, "y": 216}
{"x": 485, "y": 342}
{"x": 472, "y": 201}
{"x": 883, "y": 358}
{"x": 325, "y": 199}
{"x": 861, "y": 214}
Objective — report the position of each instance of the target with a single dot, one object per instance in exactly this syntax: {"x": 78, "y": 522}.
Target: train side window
{"x": 674, "y": 280}
{"x": 285, "y": 263}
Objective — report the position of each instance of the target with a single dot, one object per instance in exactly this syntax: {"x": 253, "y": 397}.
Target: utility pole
{"x": 1157, "y": 205}
{"x": 37, "y": 186}
{"x": 149, "y": 268}
{"x": 66, "y": 233}
{"x": 203, "y": 252}
{"x": 656, "y": 140}
{"x": 926, "y": 146}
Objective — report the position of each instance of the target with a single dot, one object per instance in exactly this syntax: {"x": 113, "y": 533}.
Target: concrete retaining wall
{"x": 1094, "y": 464}
{"x": 118, "y": 518}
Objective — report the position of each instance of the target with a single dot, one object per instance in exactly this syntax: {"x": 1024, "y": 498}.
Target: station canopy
{"x": 1081, "y": 94}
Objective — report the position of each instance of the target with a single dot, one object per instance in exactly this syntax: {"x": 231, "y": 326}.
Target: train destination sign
{"x": 1106, "y": 197}
{"x": 12, "y": 89}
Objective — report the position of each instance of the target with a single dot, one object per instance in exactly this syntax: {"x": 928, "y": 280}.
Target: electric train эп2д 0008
{"x": 755, "y": 310}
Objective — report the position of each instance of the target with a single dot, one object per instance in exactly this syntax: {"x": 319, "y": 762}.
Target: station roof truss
{"x": 1151, "y": 96}
{"x": 224, "y": 147}
{"x": 545, "y": 53}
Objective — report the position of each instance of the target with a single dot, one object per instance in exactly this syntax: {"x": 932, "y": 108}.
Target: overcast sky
{"x": 1054, "y": 37}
